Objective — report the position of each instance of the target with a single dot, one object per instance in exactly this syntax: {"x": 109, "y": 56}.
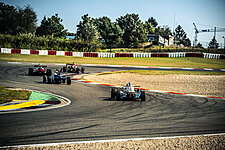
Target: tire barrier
{"x": 15, "y": 51}
{"x": 194, "y": 55}
{"x": 102, "y": 55}
{"x": 90, "y": 55}
{"x": 34, "y": 52}
{"x": 68, "y": 53}
{"x": 124, "y": 55}
{"x": 159, "y": 55}
{"x": 51, "y": 52}
{"x": 222, "y": 57}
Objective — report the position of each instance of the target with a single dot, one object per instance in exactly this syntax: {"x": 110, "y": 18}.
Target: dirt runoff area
{"x": 209, "y": 85}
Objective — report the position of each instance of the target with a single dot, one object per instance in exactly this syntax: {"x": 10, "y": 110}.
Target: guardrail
{"x": 95, "y": 54}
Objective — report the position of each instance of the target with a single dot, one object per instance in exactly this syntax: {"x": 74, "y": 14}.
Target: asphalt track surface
{"x": 92, "y": 115}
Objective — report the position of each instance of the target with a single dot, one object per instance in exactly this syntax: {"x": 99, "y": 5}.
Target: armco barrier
{"x": 68, "y": 53}
{"x": 51, "y": 52}
{"x": 15, "y": 51}
{"x": 34, "y": 52}
{"x": 90, "y": 55}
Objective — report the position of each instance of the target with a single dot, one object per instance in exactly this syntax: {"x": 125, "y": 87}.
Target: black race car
{"x": 39, "y": 70}
{"x": 73, "y": 68}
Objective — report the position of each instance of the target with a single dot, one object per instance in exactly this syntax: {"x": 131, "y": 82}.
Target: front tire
{"x": 68, "y": 80}
{"x": 30, "y": 72}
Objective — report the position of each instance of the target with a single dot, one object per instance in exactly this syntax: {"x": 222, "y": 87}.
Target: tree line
{"x": 19, "y": 28}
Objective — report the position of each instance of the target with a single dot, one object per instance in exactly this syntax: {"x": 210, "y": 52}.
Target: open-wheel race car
{"x": 129, "y": 92}
{"x": 39, "y": 70}
{"x": 57, "y": 78}
{"x": 74, "y": 68}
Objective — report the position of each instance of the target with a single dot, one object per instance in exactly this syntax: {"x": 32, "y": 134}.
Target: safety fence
{"x": 101, "y": 55}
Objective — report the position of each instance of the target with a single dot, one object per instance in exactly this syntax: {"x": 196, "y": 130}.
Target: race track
{"x": 92, "y": 115}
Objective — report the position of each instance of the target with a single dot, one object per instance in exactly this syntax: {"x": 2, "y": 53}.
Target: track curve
{"x": 92, "y": 115}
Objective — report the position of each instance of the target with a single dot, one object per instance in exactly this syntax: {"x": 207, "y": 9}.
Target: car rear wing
{"x": 44, "y": 66}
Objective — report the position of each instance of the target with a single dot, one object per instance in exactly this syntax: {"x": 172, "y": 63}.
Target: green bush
{"x": 32, "y": 42}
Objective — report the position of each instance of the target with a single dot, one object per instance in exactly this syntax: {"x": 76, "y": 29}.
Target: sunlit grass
{"x": 188, "y": 62}
{"x": 7, "y": 95}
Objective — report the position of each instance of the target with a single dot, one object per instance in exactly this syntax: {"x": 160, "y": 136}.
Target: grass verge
{"x": 188, "y": 62}
{"x": 7, "y": 95}
{"x": 159, "y": 72}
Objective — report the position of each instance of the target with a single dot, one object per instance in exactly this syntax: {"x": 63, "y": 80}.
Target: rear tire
{"x": 118, "y": 96}
{"x": 48, "y": 79}
{"x": 113, "y": 93}
{"x": 82, "y": 70}
{"x": 30, "y": 72}
{"x": 49, "y": 72}
{"x": 44, "y": 79}
{"x": 68, "y": 80}
{"x": 143, "y": 96}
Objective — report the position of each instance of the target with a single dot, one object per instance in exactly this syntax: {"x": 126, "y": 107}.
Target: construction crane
{"x": 206, "y": 30}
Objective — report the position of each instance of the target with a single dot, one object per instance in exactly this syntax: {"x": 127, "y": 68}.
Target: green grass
{"x": 7, "y": 95}
{"x": 159, "y": 72}
{"x": 188, "y": 62}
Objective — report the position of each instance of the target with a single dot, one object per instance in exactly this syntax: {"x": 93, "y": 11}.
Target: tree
{"x": 163, "y": 31}
{"x": 87, "y": 30}
{"x": 14, "y": 21}
{"x": 149, "y": 28}
{"x": 213, "y": 43}
{"x": 199, "y": 45}
{"x": 51, "y": 26}
{"x": 181, "y": 36}
{"x": 27, "y": 20}
{"x": 133, "y": 29}
{"x": 109, "y": 31}
{"x": 153, "y": 22}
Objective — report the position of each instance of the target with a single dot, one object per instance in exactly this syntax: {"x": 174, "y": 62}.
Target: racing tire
{"x": 30, "y": 71}
{"x": 82, "y": 70}
{"x": 64, "y": 69}
{"x": 48, "y": 79}
{"x": 68, "y": 81}
{"x": 44, "y": 79}
{"x": 63, "y": 80}
{"x": 113, "y": 93}
{"x": 77, "y": 70}
{"x": 118, "y": 96}
{"x": 49, "y": 72}
{"x": 143, "y": 96}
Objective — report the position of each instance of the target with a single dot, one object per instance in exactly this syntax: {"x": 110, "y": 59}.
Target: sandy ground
{"x": 190, "y": 143}
{"x": 210, "y": 85}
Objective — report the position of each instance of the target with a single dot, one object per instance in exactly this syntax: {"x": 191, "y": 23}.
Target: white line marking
{"x": 112, "y": 140}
